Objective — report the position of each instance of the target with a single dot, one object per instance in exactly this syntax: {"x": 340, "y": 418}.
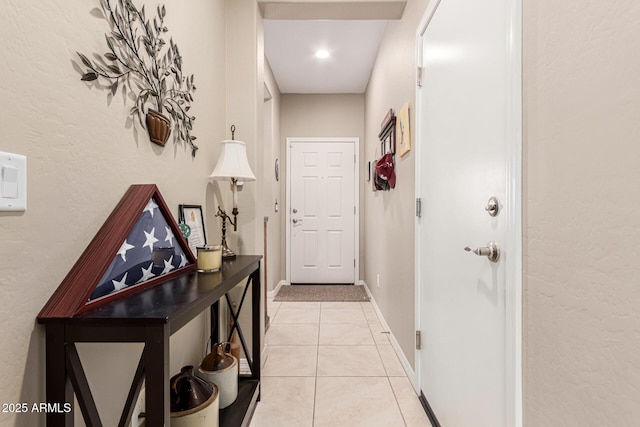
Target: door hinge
{"x": 418, "y": 207}
{"x": 418, "y": 340}
{"x": 420, "y": 75}
{"x": 354, "y": 210}
{"x": 354, "y": 262}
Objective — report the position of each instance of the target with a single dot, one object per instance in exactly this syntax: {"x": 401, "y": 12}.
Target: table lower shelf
{"x": 239, "y": 413}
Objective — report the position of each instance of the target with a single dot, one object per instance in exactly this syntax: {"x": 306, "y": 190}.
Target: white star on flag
{"x": 146, "y": 273}
{"x": 183, "y": 262}
{"x": 150, "y": 207}
{"x": 170, "y": 236}
{"x": 151, "y": 239}
{"x": 121, "y": 284}
{"x": 168, "y": 265}
{"x": 123, "y": 250}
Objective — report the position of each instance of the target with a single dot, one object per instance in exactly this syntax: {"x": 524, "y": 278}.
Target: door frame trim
{"x": 513, "y": 211}
{"x": 356, "y": 195}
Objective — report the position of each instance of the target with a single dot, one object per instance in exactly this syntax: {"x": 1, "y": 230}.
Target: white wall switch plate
{"x": 13, "y": 182}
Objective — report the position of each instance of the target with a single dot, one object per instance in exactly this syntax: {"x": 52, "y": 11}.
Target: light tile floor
{"x": 331, "y": 364}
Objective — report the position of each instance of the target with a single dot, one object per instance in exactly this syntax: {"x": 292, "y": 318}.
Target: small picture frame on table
{"x": 192, "y": 216}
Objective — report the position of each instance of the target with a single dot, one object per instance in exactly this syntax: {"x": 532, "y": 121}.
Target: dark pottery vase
{"x": 159, "y": 127}
{"x": 218, "y": 359}
{"x": 188, "y": 391}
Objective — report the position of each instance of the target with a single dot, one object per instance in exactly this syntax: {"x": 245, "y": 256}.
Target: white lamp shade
{"x": 233, "y": 163}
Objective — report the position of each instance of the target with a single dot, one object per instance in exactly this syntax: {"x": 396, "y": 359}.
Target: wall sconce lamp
{"x": 233, "y": 166}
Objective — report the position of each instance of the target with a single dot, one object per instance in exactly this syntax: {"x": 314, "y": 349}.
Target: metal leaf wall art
{"x": 139, "y": 59}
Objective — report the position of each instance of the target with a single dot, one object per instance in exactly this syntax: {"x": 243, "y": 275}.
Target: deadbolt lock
{"x": 493, "y": 206}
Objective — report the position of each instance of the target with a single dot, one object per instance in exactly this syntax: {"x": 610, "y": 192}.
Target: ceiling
{"x": 291, "y": 45}
{"x": 350, "y": 30}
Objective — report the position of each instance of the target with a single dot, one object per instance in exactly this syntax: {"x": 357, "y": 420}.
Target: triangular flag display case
{"x": 139, "y": 245}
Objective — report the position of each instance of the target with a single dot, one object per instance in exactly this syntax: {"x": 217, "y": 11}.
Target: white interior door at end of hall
{"x": 463, "y": 117}
{"x": 322, "y": 212}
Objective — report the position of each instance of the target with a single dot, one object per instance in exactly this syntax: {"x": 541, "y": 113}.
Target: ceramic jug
{"x": 221, "y": 368}
{"x": 194, "y": 401}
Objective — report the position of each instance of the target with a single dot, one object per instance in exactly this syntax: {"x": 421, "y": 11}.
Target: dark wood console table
{"x": 151, "y": 316}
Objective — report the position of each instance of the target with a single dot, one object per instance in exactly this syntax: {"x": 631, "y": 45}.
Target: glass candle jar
{"x": 209, "y": 258}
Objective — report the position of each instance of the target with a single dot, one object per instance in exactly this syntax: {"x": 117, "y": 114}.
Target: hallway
{"x": 331, "y": 364}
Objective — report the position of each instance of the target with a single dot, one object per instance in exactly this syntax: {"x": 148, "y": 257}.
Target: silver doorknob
{"x": 295, "y": 221}
{"x": 492, "y": 251}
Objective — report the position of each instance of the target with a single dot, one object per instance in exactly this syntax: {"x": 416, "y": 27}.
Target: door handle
{"x": 295, "y": 221}
{"x": 491, "y": 251}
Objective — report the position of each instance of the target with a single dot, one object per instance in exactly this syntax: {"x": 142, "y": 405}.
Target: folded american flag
{"x": 150, "y": 250}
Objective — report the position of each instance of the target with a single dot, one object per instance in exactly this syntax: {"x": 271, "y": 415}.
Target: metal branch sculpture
{"x": 138, "y": 57}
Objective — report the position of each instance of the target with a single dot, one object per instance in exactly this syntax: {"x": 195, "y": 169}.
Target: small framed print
{"x": 192, "y": 216}
{"x": 403, "y": 131}
{"x": 388, "y": 135}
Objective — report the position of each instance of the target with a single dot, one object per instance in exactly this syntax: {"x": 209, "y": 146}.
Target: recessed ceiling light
{"x": 322, "y": 54}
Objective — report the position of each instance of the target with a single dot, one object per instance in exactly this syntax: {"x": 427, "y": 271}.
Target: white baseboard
{"x": 273, "y": 293}
{"x": 244, "y": 366}
{"x": 411, "y": 374}
{"x": 244, "y": 363}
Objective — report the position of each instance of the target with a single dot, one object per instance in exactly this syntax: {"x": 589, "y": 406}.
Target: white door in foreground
{"x": 466, "y": 136}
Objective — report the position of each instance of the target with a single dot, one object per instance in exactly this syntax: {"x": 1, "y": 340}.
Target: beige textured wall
{"x": 389, "y": 216}
{"x": 272, "y": 191}
{"x": 338, "y": 115}
{"x": 245, "y": 110}
{"x": 82, "y": 156}
{"x": 245, "y": 83}
{"x": 582, "y": 222}
{"x": 314, "y": 115}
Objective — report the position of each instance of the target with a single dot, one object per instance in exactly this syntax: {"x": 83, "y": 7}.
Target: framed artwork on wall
{"x": 387, "y": 135}
{"x": 402, "y": 130}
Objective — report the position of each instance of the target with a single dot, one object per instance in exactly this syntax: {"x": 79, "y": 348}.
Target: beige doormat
{"x": 326, "y": 293}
